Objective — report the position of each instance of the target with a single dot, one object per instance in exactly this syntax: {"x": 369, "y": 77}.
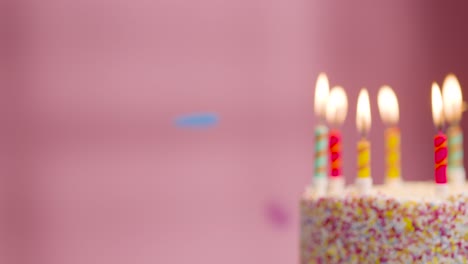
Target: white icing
{"x": 412, "y": 191}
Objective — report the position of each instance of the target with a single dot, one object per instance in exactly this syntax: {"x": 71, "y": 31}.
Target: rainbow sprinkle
{"x": 381, "y": 229}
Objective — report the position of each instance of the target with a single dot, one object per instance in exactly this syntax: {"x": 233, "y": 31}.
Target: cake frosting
{"x": 407, "y": 223}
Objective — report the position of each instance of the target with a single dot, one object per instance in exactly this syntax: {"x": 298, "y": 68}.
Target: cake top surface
{"x": 405, "y": 191}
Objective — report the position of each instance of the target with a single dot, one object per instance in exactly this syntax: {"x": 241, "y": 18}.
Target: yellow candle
{"x": 363, "y": 123}
{"x": 390, "y": 114}
{"x": 392, "y": 145}
{"x": 363, "y": 149}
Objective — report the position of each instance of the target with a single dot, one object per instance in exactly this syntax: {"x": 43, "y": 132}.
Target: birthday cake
{"x": 404, "y": 224}
{"x": 399, "y": 222}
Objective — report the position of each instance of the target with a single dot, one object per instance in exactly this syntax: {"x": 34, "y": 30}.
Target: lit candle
{"x": 321, "y": 134}
{"x": 453, "y": 108}
{"x": 363, "y": 123}
{"x": 337, "y": 108}
{"x": 440, "y": 143}
{"x": 389, "y": 112}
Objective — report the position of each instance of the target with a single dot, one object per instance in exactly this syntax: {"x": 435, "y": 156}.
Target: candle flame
{"x": 452, "y": 99}
{"x": 337, "y": 106}
{"x": 363, "y": 113}
{"x": 437, "y": 106}
{"x": 322, "y": 88}
{"x": 388, "y": 105}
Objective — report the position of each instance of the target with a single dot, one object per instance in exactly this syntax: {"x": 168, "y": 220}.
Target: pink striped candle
{"x": 440, "y": 158}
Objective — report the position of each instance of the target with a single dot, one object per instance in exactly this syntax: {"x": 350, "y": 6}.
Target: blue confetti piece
{"x": 197, "y": 120}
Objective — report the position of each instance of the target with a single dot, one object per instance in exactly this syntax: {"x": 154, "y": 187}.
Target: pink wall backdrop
{"x": 100, "y": 173}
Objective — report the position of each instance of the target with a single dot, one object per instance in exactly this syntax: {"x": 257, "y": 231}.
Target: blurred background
{"x": 99, "y": 167}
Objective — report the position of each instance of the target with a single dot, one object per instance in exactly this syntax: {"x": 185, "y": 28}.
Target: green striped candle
{"x": 453, "y": 109}
{"x": 321, "y": 146}
{"x": 455, "y": 147}
{"x": 319, "y": 179}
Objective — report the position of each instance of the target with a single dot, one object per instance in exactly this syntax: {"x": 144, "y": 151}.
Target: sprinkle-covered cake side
{"x": 381, "y": 229}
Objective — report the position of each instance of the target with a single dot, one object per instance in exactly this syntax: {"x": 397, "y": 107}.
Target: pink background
{"x": 96, "y": 171}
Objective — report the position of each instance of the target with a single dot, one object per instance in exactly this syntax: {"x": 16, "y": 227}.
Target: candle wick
{"x": 440, "y": 127}
{"x": 363, "y": 126}
{"x": 336, "y": 116}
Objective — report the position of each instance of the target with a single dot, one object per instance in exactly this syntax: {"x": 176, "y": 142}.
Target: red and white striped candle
{"x": 440, "y": 158}
{"x": 337, "y": 108}
{"x": 440, "y": 143}
{"x": 335, "y": 153}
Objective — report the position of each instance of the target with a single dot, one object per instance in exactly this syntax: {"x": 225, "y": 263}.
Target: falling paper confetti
{"x": 277, "y": 214}
{"x": 197, "y": 120}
